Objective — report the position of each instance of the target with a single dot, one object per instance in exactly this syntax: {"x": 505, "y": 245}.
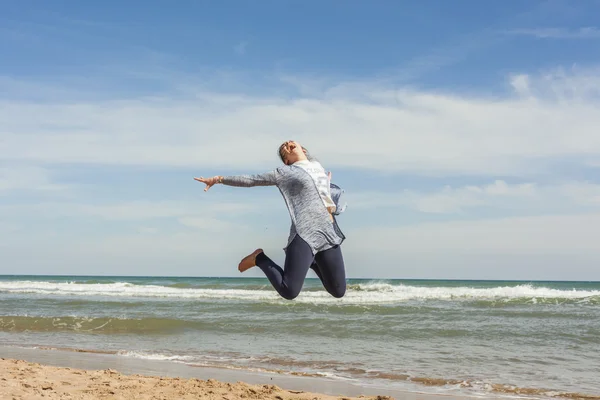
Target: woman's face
{"x": 291, "y": 151}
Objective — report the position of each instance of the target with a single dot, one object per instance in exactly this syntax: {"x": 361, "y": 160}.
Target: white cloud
{"x": 588, "y": 32}
{"x": 146, "y": 210}
{"x": 453, "y": 200}
{"x": 581, "y": 193}
{"x": 554, "y": 234}
{"x": 185, "y": 211}
{"x": 214, "y": 246}
{"x": 593, "y": 163}
{"x": 211, "y": 224}
{"x": 498, "y": 195}
{"x": 27, "y": 178}
{"x": 147, "y": 230}
{"x": 544, "y": 247}
{"x": 520, "y": 84}
{"x": 368, "y": 127}
{"x": 549, "y": 117}
{"x": 203, "y": 251}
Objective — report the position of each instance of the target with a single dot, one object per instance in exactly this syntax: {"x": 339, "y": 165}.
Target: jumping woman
{"x": 315, "y": 238}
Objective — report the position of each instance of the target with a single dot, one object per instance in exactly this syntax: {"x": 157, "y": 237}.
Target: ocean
{"x": 437, "y": 336}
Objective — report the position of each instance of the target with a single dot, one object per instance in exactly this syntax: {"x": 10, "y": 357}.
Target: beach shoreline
{"x": 453, "y": 339}
{"x": 22, "y": 379}
{"x": 46, "y": 373}
{"x": 35, "y": 373}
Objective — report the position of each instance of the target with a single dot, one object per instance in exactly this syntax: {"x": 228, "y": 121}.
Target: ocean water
{"x": 469, "y": 337}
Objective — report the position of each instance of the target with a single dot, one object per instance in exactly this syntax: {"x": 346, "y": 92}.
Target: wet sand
{"x": 43, "y": 374}
{"x": 26, "y": 380}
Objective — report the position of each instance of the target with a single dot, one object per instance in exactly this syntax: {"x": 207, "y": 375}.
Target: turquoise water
{"x": 454, "y": 336}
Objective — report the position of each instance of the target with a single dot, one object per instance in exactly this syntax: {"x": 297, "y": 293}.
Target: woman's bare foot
{"x": 249, "y": 261}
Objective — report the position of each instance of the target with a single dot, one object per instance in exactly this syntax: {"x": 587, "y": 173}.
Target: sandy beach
{"x": 402, "y": 339}
{"x": 21, "y": 379}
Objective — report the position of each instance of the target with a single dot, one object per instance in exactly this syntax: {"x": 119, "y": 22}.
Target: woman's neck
{"x": 300, "y": 158}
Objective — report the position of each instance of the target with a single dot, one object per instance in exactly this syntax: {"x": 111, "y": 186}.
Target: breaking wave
{"x": 364, "y": 293}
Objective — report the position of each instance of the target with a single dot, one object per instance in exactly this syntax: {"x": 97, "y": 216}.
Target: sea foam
{"x": 364, "y": 293}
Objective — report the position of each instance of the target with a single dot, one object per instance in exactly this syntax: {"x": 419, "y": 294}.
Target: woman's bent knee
{"x": 338, "y": 291}
{"x": 289, "y": 293}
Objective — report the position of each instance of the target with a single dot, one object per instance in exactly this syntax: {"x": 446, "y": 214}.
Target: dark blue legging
{"x": 327, "y": 264}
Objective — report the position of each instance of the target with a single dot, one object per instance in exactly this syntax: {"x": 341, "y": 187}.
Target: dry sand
{"x": 28, "y": 380}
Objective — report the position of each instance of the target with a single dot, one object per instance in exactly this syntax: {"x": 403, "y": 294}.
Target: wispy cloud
{"x": 392, "y": 251}
{"x": 129, "y": 210}
{"x": 594, "y": 163}
{"x": 548, "y": 234}
{"x": 212, "y": 224}
{"x": 558, "y": 33}
{"x": 499, "y": 196}
{"x": 456, "y": 49}
{"x": 449, "y": 53}
{"x": 424, "y": 133}
{"x": 27, "y": 178}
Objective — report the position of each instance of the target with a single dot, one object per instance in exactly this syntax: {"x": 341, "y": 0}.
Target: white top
{"x": 303, "y": 200}
{"x": 319, "y": 176}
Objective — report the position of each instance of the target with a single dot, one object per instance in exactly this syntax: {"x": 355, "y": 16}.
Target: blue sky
{"x": 464, "y": 133}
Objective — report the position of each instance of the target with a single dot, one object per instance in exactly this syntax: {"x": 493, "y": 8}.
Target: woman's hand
{"x": 209, "y": 181}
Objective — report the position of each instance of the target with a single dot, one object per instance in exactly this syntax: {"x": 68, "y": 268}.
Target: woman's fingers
{"x": 208, "y": 182}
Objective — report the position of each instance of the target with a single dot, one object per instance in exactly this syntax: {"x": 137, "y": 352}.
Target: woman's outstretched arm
{"x": 264, "y": 179}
